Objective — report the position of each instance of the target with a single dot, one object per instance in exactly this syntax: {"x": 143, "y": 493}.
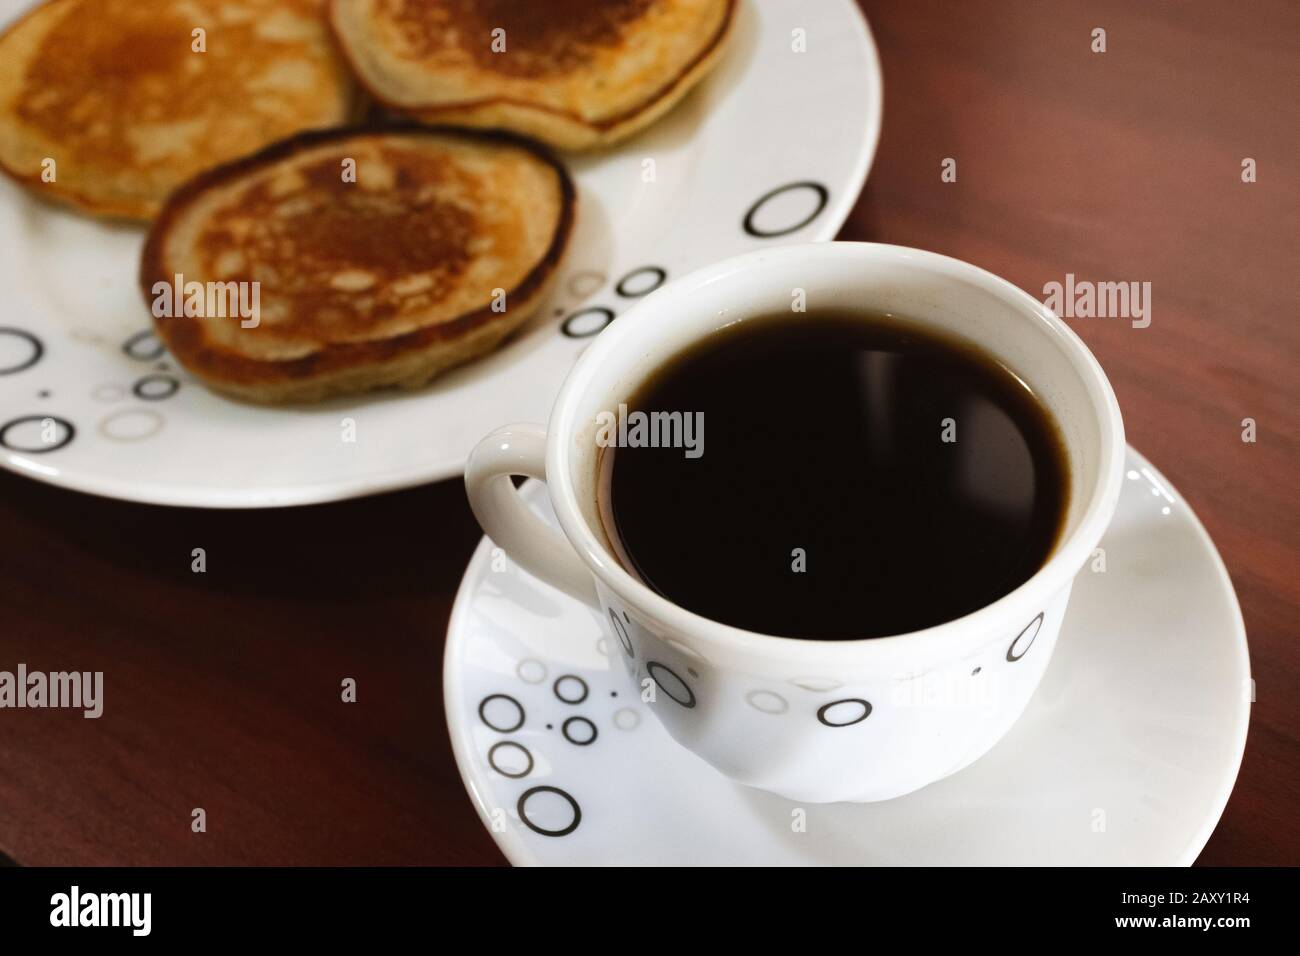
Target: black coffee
{"x": 844, "y": 477}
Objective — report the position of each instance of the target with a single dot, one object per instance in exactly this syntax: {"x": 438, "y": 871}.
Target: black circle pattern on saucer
{"x": 582, "y": 722}
{"x": 1037, "y": 625}
{"x": 482, "y": 713}
{"x": 68, "y": 430}
{"x": 621, "y": 631}
{"x": 660, "y": 276}
{"x": 522, "y": 808}
{"x": 144, "y": 346}
{"x": 653, "y": 666}
{"x": 567, "y": 682}
{"x": 154, "y": 388}
{"x": 823, "y": 197}
{"x": 866, "y": 712}
{"x": 569, "y": 326}
{"x": 32, "y": 341}
{"x": 510, "y": 744}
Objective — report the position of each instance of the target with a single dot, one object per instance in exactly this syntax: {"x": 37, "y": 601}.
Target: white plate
{"x": 1125, "y": 756}
{"x": 778, "y": 139}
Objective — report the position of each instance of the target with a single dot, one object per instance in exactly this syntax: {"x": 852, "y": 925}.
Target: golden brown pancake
{"x": 443, "y": 244}
{"x": 115, "y": 93}
{"x": 574, "y": 73}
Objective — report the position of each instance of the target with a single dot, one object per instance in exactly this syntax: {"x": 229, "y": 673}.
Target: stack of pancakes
{"x": 381, "y": 253}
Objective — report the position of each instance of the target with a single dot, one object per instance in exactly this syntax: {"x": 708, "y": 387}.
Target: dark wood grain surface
{"x": 223, "y": 688}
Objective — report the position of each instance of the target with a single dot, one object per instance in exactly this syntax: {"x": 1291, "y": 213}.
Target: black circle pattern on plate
{"x": 68, "y": 433}
{"x": 37, "y": 350}
{"x": 482, "y": 713}
{"x": 652, "y": 667}
{"x": 510, "y": 744}
{"x": 154, "y": 388}
{"x": 144, "y": 346}
{"x": 1037, "y": 625}
{"x": 586, "y": 727}
{"x": 570, "y": 688}
{"x": 569, "y": 324}
{"x": 621, "y": 631}
{"x": 863, "y": 705}
{"x": 659, "y": 275}
{"x": 823, "y": 197}
{"x": 522, "y": 808}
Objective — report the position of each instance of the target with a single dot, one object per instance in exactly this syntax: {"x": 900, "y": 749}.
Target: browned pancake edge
{"x": 143, "y": 208}
{"x": 336, "y": 367}
{"x": 598, "y": 132}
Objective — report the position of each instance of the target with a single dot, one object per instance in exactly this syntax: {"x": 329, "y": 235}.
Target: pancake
{"x": 574, "y": 73}
{"x": 114, "y": 92}
{"x": 444, "y": 244}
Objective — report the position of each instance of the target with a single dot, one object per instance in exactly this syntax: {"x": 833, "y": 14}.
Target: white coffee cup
{"x": 814, "y": 721}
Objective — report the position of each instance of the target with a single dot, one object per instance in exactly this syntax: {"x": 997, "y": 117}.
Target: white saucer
{"x": 1125, "y": 756}
{"x": 773, "y": 147}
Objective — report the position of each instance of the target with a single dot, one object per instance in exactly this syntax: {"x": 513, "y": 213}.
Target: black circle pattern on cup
{"x": 570, "y": 688}
{"x": 69, "y": 432}
{"x": 154, "y": 388}
{"x": 585, "y": 733}
{"x": 505, "y": 771}
{"x": 628, "y": 290}
{"x": 823, "y": 197}
{"x": 144, "y": 346}
{"x": 482, "y": 713}
{"x": 684, "y": 696}
{"x": 1037, "y": 625}
{"x": 575, "y": 328}
{"x": 860, "y": 706}
{"x": 36, "y": 350}
{"x": 621, "y": 631}
{"x": 522, "y": 808}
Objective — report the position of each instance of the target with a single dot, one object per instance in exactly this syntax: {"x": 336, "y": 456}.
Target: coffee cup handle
{"x": 539, "y": 549}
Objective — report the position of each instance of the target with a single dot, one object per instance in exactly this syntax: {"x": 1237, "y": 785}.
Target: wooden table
{"x": 223, "y": 689}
